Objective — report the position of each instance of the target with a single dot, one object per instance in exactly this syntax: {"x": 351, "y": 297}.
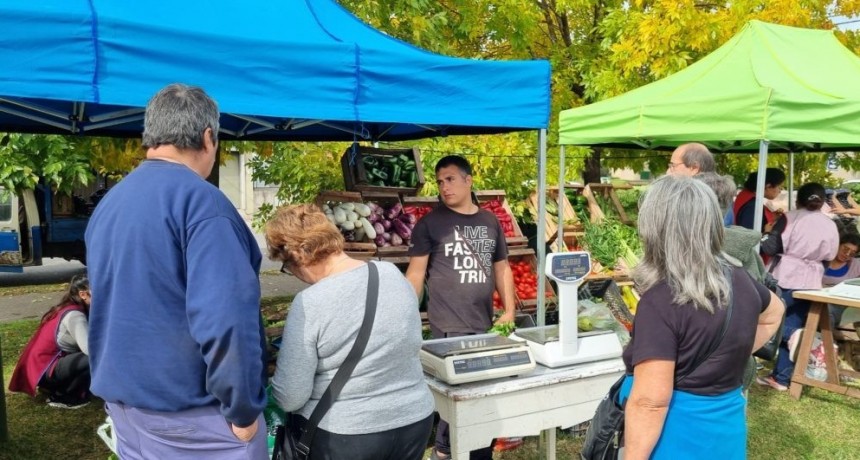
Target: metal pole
{"x": 759, "y": 191}
{"x": 541, "y": 228}
{"x": 790, "y": 180}
{"x": 560, "y": 217}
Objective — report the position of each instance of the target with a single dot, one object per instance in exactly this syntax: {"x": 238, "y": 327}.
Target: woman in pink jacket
{"x": 809, "y": 239}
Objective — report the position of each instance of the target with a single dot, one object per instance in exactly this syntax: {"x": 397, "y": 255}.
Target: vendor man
{"x": 460, "y": 249}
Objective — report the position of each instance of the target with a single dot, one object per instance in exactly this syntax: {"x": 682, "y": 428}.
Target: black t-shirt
{"x": 460, "y": 276}
{"x": 666, "y": 331}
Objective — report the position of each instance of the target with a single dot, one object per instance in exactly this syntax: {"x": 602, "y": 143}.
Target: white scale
{"x": 473, "y": 358}
{"x": 562, "y": 344}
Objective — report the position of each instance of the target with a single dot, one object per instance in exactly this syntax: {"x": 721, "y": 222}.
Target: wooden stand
{"x": 608, "y": 190}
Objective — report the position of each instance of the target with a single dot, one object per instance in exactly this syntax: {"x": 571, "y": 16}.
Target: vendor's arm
{"x": 294, "y": 376}
{"x": 647, "y": 407}
{"x": 223, "y": 308}
{"x": 416, "y": 272}
{"x": 505, "y": 287}
{"x": 768, "y": 320}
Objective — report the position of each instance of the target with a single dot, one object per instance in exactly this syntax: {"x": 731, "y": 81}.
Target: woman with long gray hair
{"x": 683, "y": 395}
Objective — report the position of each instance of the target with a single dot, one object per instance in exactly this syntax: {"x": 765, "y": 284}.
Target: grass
{"x": 33, "y": 289}
{"x": 822, "y": 425}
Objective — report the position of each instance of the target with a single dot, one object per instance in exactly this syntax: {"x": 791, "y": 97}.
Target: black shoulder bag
{"x": 287, "y": 447}
{"x": 606, "y": 431}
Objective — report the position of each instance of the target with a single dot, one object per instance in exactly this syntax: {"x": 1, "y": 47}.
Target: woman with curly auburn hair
{"x": 385, "y": 409}
{"x": 683, "y": 390}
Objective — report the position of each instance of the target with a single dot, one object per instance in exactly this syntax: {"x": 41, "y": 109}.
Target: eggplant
{"x": 409, "y": 219}
{"x": 402, "y": 229}
{"x": 349, "y": 235}
{"x": 396, "y": 240}
{"x": 386, "y": 224}
{"x": 395, "y": 210}
{"x": 377, "y": 226}
{"x": 379, "y": 240}
{"x": 386, "y": 236}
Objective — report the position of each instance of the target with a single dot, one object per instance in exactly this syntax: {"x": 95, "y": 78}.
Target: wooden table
{"x": 819, "y": 318}
{"x": 522, "y": 406}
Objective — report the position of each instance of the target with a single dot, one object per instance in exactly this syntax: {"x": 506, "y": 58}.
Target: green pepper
{"x": 369, "y": 161}
{"x": 379, "y": 173}
{"x": 413, "y": 178}
{"x": 395, "y": 172}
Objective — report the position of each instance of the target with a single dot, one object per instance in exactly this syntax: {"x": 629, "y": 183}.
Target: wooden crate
{"x": 363, "y": 250}
{"x": 485, "y": 196}
{"x": 608, "y": 190}
{"x": 391, "y": 254}
{"x": 530, "y": 305}
{"x": 595, "y": 213}
{"x": 568, "y": 217}
{"x": 355, "y": 174}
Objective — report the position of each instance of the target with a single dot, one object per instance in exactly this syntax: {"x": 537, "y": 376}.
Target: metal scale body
{"x": 563, "y": 345}
{"x": 474, "y": 358}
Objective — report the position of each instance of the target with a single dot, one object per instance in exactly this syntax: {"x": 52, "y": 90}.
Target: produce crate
{"x": 527, "y": 258}
{"x": 394, "y": 253}
{"x": 419, "y": 205}
{"x": 595, "y": 213}
{"x": 364, "y": 250}
{"x": 356, "y": 175}
{"x": 568, "y": 216}
{"x": 515, "y": 238}
{"x": 609, "y": 291}
{"x": 608, "y": 190}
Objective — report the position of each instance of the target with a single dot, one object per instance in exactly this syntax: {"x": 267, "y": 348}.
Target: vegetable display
{"x": 418, "y": 211}
{"x": 392, "y": 226}
{"x": 496, "y": 207}
{"x": 525, "y": 280}
{"x": 351, "y": 219}
{"x": 390, "y": 170}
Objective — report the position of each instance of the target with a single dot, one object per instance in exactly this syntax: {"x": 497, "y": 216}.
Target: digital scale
{"x": 473, "y": 358}
{"x": 848, "y": 288}
{"x": 563, "y": 344}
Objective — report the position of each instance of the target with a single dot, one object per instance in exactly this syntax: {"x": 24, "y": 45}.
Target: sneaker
{"x": 60, "y": 403}
{"x": 769, "y": 381}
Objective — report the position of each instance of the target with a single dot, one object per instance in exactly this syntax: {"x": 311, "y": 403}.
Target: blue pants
{"x": 196, "y": 433}
{"x": 796, "y": 311}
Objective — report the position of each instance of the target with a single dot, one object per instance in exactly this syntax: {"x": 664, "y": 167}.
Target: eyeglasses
{"x": 285, "y": 270}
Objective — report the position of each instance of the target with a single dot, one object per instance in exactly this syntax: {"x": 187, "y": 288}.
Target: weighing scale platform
{"x": 546, "y": 347}
{"x": 473, "y": 358}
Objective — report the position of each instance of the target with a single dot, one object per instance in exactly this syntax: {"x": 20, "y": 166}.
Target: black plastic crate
{"x": 609, "y": 291}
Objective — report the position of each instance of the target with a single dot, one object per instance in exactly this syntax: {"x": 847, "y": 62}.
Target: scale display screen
{"x": 570, "y": 267}
{"x": 481, "y": 363}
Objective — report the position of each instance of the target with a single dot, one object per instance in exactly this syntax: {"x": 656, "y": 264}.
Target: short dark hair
{"x": 772, "y": 176}
{"x": 810, "y": 196}
{"x": 455, "y": 160}
{"x": 850, "y": 238}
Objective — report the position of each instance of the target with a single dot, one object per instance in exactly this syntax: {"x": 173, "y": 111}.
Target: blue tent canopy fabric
{"x": 304, "y": 70}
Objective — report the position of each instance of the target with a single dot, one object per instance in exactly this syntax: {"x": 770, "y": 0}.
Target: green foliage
{"x": 26, "y": 157}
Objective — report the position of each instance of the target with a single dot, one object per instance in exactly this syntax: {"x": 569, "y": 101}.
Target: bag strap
{"x": 727, "y": 271}
{"x": 345, "y": 371}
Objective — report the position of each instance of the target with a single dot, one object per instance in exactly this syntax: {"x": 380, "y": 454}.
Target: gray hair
{"x": 723, "y": 187}
{"x": 696, "y": 154}
{"x": 682, "y": 234}
{"x": 178, "y": 115}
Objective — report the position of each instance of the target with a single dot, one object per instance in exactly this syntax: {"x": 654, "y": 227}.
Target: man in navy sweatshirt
{"x": 176, "y": 339}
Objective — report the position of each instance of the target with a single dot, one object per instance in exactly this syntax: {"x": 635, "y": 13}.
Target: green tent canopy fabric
{"x": 798, "y": 89}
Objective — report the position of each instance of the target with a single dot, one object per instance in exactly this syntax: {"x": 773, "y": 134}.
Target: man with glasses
{"x": 461, "y": 251}
{"x": 176, "y": 339}
{"x": 691, "y": 159}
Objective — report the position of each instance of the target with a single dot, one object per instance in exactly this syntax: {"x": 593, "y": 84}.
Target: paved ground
{"x": 54, "y": 271}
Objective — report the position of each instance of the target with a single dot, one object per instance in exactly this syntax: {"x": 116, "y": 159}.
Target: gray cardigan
{"x": 387, "y": 388}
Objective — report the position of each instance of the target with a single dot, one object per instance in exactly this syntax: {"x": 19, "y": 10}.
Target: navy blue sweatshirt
{"x": 175, "y": 316}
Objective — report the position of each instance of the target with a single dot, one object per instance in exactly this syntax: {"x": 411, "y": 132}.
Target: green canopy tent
{"x": 770, "y": 86}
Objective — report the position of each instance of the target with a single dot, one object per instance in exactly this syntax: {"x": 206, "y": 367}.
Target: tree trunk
{"x": 591, "y": 173}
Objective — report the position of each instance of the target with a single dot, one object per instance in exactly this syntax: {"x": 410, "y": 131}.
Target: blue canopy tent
{"x": 283, "y": 70}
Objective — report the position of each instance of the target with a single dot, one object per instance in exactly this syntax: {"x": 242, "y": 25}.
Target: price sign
{"x": 569, "y": 267}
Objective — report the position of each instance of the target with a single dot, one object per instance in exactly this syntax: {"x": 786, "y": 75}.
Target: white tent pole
{"x": 541, "y": 228}
{"x": 560, "y": 198}
{"x": 759, "y": 191}
{"x": 790, "y": 180}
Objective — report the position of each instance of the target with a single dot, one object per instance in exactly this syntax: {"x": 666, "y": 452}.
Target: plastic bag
{"x": 601, "y": 318}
